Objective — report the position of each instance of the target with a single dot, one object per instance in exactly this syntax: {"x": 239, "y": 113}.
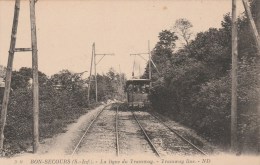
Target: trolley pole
{"x": 9, "y": 72}
{"x": 234, "y": 141}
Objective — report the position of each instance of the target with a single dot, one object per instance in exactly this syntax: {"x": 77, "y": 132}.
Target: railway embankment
{"x": 63, "y": 143}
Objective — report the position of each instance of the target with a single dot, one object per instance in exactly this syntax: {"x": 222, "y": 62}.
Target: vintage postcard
{"x": 129, "y": 82}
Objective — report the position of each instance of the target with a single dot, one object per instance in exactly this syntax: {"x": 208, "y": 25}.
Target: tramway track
{"x": 179, "y": 135}
{"x": 87, "y": 130}
{"x": 147, "y": 137}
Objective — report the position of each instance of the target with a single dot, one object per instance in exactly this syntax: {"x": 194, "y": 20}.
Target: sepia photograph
{"x": 129, "y": 82}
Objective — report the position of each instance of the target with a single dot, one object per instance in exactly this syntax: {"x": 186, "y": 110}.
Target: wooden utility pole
{"x": 12, "y": 50}
{"x": 255, "y": 28}
{"x": 35, "y": 78}
{"x": 93, "y": 60}
{"x": 95, "y": 64}
{"x": 258, "y": 109}
{"x": 150, "y": 68}
{"x": 234, "y": 141}
{"x": 9, "y": 72}
{"x": 90, "y": 74}
{"x": 121, "y": 83}
{"x": 120, "y": 77}
{"x": 258, "y": 16}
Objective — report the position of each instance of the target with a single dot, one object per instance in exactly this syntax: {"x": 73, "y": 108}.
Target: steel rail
{"x": 117, "y": 134}
{"x": 147, "y": 137}
{"x": 87, "y": 129}
{"x": 174, "y": 131}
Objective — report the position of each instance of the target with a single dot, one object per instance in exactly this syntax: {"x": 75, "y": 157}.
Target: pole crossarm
{"x": 22, "y": 49}
{"x": 137, "y": 54}
{"x": 140, "y": 55}
{"x": 109, "y": 54}
{"x": 103, "y": 55}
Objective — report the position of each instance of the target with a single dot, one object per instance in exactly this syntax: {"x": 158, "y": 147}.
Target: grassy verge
{"x": 56, "y": 112}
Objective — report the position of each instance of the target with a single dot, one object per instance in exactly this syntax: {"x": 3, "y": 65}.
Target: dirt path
{"x": 61, "y": 144}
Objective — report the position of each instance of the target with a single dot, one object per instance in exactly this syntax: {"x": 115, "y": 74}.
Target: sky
{"x": 66, "y": 30}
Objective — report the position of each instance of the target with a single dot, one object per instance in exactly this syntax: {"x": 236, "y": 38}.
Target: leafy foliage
{"x": 62, "y": 98}
{"x": 194, "y": 87}
{"x": 183, "y": 27}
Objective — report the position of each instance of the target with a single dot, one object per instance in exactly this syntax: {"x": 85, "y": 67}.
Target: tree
{"x": 109, "y": 86}
{"x": 70, "y": 85}
{"x": 162, "y": 53}
{"x": 21, "y": 78}
{"x": 212, "y": 50}
{"x": 2, "y": 71}
{"x": 196, "y": 84}
{"x": 183, "y": 27}
{"x": 66, "y": 80}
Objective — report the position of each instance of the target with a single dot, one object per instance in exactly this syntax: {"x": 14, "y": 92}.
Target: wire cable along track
{"x": 147, "y": 137}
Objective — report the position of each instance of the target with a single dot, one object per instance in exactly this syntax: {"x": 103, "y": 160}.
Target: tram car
{"x": 137, "y": 91}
